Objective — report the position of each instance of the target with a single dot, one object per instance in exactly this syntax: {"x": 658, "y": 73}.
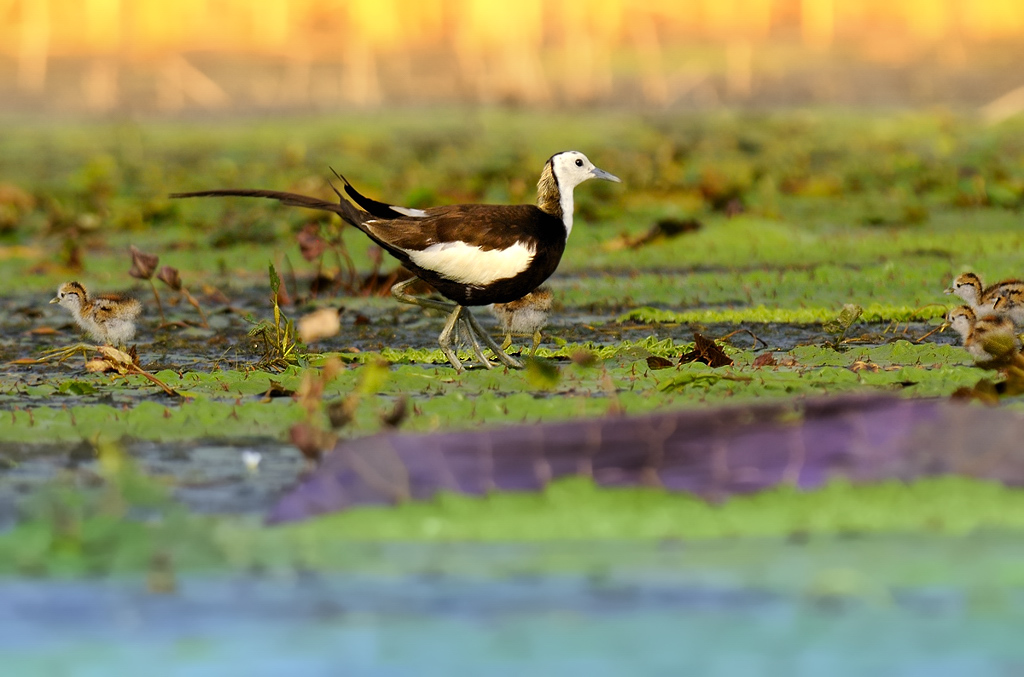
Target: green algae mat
{"x": 814, "y": 245}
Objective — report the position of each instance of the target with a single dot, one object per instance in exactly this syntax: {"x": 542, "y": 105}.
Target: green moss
{"x": 230, "y": 403}
{"x": 73, "y": 533}
{"x": 577, "y": 510}
{"x": 873, "y": 312}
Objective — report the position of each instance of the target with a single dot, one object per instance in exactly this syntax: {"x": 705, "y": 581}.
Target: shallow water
{"x": 367, "y": 325}
{"x": 733, "y": 608}
{"x": 210, "y": 476}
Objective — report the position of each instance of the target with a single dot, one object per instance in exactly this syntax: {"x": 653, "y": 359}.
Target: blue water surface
{"x": 677, "y": 611}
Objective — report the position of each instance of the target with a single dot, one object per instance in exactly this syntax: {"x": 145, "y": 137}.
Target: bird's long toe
{"x": 445, "y": 338}
{"x": 502, "y": 356}
{"x": 474, "y": 344}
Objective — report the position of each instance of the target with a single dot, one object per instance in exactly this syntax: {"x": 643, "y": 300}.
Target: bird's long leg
{"x": 445, "y": 339}
{"x": 473, "y": 343}
{"x": 454, "y": 310}
{"x": 464, "y": 333}
{"x": 502, "y": 356}
{"x": 398, "y": 291}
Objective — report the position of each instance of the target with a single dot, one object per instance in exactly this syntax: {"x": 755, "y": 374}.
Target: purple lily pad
{"x": 712, "y": 453}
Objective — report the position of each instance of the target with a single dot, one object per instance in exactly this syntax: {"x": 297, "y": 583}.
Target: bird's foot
{"x": 536, "y": 342}
{"x": 473, "y": 343}
{"x": 490, "y": 343}
{"x": 449, "y": 332}
{"x": 59, "y": 355}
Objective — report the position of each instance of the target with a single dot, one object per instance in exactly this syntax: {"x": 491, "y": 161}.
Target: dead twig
{"x": 754, "y": 336}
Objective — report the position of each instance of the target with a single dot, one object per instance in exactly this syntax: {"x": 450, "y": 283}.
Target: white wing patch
{"x": 471, "y": 265}
{"x": 409, "y": 211}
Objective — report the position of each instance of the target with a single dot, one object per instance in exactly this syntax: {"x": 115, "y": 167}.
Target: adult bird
{"x": 472, "y": 254}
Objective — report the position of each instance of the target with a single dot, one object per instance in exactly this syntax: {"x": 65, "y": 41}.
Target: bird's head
{"x": 967, "y": 286}
{"x": 571, "y": 168}
{"x": 961, "y": 319}
{"x": 70, "y": 295}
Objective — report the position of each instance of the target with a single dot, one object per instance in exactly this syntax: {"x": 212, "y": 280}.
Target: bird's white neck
{"x": 565, "y": 202}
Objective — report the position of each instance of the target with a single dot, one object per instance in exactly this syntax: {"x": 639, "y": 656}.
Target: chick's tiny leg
{"x": 61, "y": 354}
{"x": 536, "y": 341}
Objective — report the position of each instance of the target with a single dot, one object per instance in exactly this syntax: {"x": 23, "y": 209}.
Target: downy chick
{"x": 525, "y": 316}
{"x": 985, "y": 338}
{"x": 981, "y": 299}
{"x": 1010, "y": 302}
{"x": 108, "y": 318}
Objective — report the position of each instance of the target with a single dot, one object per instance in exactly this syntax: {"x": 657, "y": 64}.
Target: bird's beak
{"x": 602, "y": 174}
{"x": 55, "y": 300}
{"x": 948, "y": 291}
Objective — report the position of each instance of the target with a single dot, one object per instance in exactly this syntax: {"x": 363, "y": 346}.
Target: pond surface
{"x": 210, "y": 475}
{"x": 830, "y": 607}
{"x": 28, "y": 325}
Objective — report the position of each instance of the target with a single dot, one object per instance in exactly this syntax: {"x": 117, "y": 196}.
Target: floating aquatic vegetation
{"x": 713, "y": 454}
{"x": 277, "y": 342}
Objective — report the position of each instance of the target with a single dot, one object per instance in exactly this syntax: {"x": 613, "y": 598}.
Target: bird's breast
{"x": 472, "y": 265}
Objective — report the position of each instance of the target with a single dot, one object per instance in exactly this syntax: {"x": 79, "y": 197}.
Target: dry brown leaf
{"x": 319, "y": 324}
{"x": 311, "y": 245}
{"x": 170, "y": 277}
{"x": 97, "y": 365}
{"x": 656, "y": 362}
{"x": 117, "y": 358}
{"x": 583, "y": 358}
{"x": 143, "y": 264}
{"x": 707, "y": 351}
{"x": 332, "y": 367}
{"x": 394, "y": 418}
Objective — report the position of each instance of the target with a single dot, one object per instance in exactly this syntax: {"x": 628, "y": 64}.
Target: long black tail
{"x": 381, "y": 210}
{"x": 342, "y": 207}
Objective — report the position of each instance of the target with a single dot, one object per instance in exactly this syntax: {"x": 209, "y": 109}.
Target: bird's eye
{"x": 579, "y": 162}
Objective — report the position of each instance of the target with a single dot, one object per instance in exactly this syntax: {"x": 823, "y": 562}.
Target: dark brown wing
{"x": 485, "y": 226}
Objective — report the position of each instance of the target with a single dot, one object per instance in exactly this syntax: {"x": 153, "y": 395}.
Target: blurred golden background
{"x": 233, "y": 55}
